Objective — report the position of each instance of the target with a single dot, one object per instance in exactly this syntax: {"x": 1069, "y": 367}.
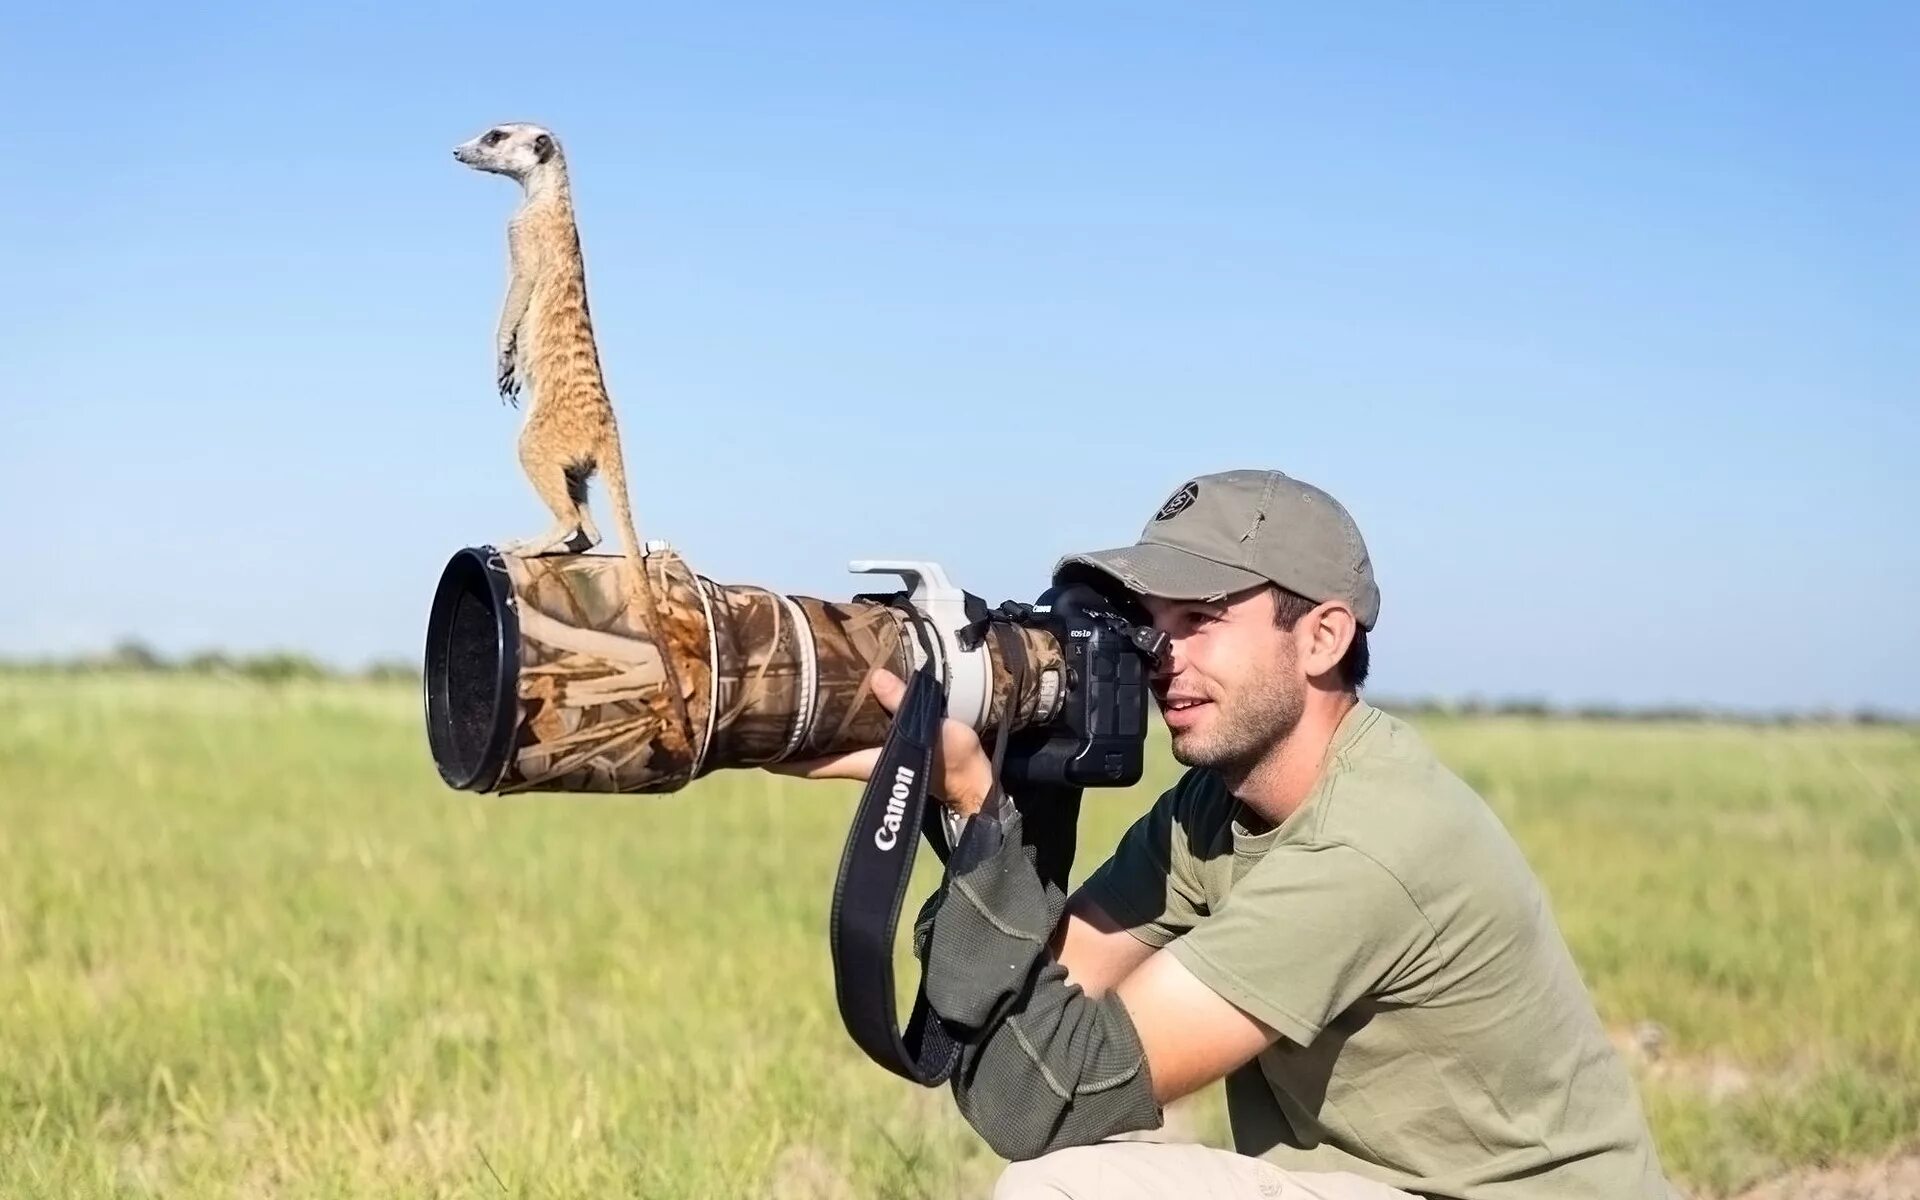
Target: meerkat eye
{"x": 494, "y": 137}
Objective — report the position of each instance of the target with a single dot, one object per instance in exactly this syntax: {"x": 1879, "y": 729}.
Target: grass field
{"x": 250, "y": 946}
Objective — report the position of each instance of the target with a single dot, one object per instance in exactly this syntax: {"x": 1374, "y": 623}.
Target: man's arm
{"x": 1189, "y": 1035}
{"x": 1043, "y": 990}
{"x": 1094, "y": 948}
{"x": 1046, "y": 1061}
{"x": 1044, "y": 1064}
{"x": 1163, "y": 1001}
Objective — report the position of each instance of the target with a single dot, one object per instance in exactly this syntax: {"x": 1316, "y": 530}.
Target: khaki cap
{"x": 1227, "y": 532}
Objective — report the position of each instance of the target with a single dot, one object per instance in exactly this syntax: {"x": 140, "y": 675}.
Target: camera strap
{"x": 875, "y": 867}
{"x": 895, "y": 810}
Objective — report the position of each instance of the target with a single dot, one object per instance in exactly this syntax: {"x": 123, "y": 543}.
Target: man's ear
{"x": 543, "y": 147}
{"x": 1330, "y": 629}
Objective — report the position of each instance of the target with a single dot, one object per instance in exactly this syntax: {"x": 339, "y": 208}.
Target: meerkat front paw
{"x": 507, "y": 377}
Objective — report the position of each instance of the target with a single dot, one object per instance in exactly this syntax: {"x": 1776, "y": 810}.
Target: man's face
{"x": 1230, "y": 687}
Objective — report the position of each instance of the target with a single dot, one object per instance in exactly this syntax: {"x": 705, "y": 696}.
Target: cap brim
{"x": 1166, "y": 571}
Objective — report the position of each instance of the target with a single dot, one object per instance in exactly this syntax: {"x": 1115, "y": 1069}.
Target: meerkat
{"x": 545, "y": 347}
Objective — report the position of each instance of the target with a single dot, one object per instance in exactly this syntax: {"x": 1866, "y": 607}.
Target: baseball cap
{"x": 1233, "y": 530}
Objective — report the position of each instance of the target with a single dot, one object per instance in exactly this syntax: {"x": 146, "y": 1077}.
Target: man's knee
{"x": 1069, "y": 1174}
{"x": 1146, "y": 1170}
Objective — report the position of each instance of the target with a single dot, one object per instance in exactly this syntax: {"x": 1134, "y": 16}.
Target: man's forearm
{"x": 1097, "y": 950}
{"x": 1043, "y": 1064}
{"x": 1061, "y": 1069}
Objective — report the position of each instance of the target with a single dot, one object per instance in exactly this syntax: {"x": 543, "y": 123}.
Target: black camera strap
{"x": 895, "y": 810}
{"x": 875, "y": 867}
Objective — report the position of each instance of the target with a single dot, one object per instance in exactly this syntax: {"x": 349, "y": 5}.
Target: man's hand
{"x": 961, "y": 768}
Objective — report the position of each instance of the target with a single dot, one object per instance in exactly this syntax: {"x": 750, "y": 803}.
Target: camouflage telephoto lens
{"x": 538, "y": 678}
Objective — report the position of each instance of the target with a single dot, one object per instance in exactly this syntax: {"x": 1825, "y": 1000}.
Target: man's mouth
{"x": 1181, "y": 703}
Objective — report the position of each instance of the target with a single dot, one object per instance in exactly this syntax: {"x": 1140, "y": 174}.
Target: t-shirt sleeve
{"x": 1310, "y": 930}
{"x": 1149, "y": 885}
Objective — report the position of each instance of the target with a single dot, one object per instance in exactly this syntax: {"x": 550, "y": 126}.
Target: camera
{"x": 1096, "y": 732}
{"x": 540, "y": 676}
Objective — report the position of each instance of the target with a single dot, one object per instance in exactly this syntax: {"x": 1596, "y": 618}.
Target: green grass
{"x": 249, "y": 945}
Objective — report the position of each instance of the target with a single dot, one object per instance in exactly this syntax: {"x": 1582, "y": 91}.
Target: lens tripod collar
{"x": 964, "y": 672}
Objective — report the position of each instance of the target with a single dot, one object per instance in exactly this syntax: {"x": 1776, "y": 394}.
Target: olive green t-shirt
{"x": 1436, "y": 1034}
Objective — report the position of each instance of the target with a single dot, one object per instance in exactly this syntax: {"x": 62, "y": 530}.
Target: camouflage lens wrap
{"x": 595, "y": 714}
{"x": 767, "y": 677}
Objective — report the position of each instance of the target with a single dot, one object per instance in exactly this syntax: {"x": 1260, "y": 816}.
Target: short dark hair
{"x": 1289, "y": 606}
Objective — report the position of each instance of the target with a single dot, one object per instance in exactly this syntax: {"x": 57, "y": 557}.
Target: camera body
{"x": 1096, "y": 735}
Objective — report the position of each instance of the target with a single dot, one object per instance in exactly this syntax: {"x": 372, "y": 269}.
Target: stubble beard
{"x": 1246, "y": 730}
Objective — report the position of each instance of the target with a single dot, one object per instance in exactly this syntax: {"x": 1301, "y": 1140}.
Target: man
{"x": 1318, "y": 912}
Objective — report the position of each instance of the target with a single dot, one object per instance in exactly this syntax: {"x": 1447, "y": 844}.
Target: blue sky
{"x": 1602, "y": 320}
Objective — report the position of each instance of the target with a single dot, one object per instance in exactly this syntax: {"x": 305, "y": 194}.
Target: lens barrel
{"x": 541, "y": 676}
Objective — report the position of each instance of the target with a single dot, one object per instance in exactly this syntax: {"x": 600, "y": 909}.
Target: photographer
{"x": 1318, "y": 912}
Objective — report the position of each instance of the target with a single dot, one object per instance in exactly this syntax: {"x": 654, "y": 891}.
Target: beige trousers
{"x": 1128, "y": 1170}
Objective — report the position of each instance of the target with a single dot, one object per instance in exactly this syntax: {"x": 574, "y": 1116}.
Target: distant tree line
{"x": 272, "y": 666}
{"x": 1526, "y": 706}
{"x": 281, "y": 666}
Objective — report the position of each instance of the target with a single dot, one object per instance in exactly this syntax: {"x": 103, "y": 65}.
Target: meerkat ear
{"x": 543, "y": 147}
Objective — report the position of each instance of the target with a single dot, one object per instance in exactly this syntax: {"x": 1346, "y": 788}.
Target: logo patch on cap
{"x": 1179, "y": 502}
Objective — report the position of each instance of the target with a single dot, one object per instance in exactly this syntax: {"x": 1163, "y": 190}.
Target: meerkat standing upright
{"x": 545, "y": 341}
{"x": 545, "y": 344}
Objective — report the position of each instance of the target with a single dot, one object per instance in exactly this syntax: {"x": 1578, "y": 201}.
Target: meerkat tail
{"x": 613, "y": 470}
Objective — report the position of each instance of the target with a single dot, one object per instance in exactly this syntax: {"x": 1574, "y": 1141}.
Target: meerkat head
{"x": 515, "y": 149}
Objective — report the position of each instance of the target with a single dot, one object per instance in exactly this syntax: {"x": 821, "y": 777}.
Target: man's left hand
{"x": 960, "y": 763}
